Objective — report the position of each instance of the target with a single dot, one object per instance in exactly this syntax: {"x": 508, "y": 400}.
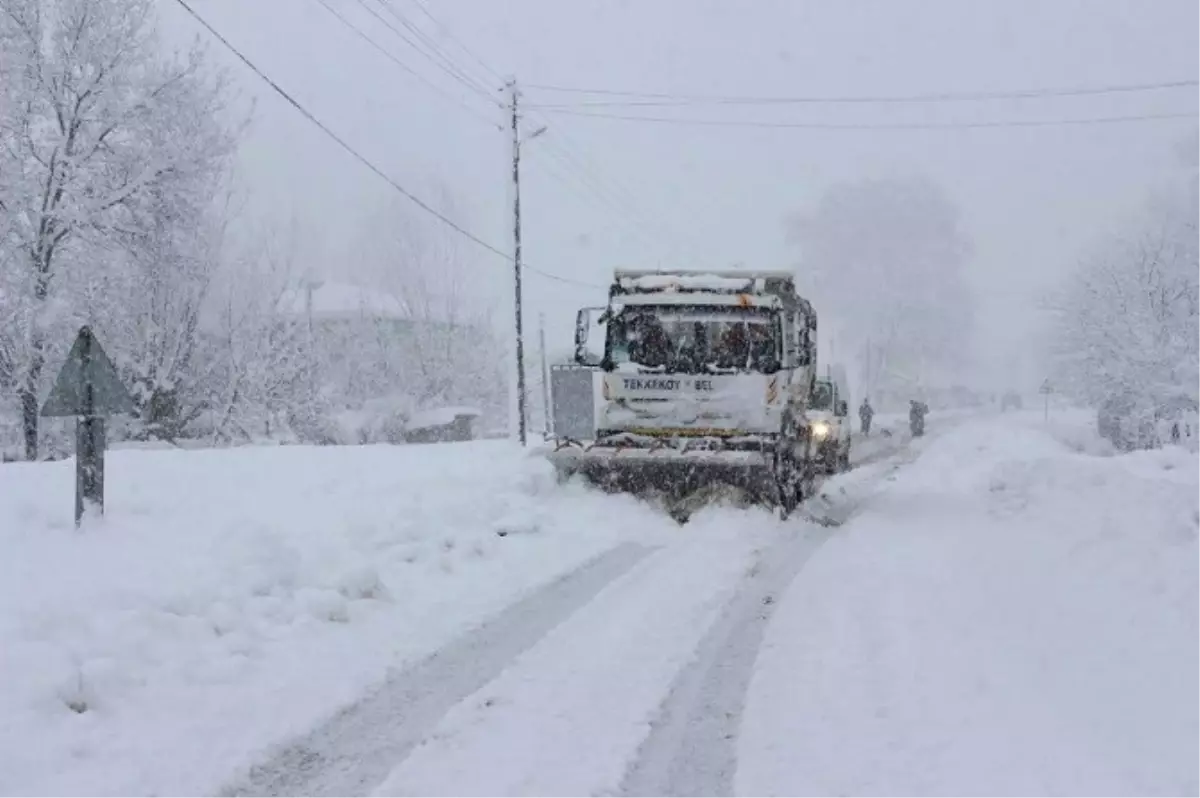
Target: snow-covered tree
{"x": 112, "y": 151}
{"x": 885, "y": 259}
{"x": 1126, "y": 324}
{"x": 165, "y": 277}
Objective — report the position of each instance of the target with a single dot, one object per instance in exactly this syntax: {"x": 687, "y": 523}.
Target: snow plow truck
{"x": 704, "y": 383}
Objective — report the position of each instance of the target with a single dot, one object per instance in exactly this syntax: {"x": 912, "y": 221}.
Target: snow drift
{"x": 1010, "y": 616}
{"x": 231, "y": 599}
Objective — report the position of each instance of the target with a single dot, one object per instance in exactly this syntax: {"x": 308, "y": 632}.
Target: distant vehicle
{"x": 829, "y": 412}
{"x": 1011, "y": 401}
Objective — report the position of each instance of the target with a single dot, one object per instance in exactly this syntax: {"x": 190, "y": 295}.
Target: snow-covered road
{"x": 1010, "y": 616}
{"x": 634, "y": 685}
{"x": 446, "y": 620}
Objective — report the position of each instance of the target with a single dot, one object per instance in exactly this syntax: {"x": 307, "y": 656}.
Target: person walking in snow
{"x": 916, "y": 417}
{"x": 865, "y": 413}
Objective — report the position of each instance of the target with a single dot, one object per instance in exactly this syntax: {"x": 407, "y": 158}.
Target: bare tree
{"x": 104, "y": 139}
{"x": 255, "y": 370}
{"x": 450, "y": 353}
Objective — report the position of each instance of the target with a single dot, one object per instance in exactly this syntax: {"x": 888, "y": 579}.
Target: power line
{"x": 573, "y": 181}
{"x": 609, "y": 189}
{"x": 433, "y": 46}
{"x": 387, "y": 54}
{"x": 354, "y": 153}
{"x": 612, "y": 199}
{"x": 1102, "y": 120}
{"x": 661, "y": 98}
{"x": 558, "y": 147}
{"x": 560, "y": 279}
{"x": 363, "y": 160}
{"x": 450, "y": 35}
{"x": 435, "y": 49}
{"x": 448, "y": 68}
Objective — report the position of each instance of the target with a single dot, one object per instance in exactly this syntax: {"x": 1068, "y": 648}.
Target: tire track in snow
{"x": 692, "y": 745}
{"x": 357, "y": 748}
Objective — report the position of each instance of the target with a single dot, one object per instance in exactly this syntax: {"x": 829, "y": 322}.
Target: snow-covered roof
{"x": 740, "y": 275}
{"x": 687, "y": 282}
{"x": 701, "y": 298}
{"x": 340, "y": 300}
{"x": 740, "y": 281}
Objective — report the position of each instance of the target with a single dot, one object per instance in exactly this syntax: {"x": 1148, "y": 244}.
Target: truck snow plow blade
{"x": 676, "y": 475}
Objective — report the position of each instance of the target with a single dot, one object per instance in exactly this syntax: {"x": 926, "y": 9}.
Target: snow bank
{"x": 233, "y": 598}
{"x": 1008, "y": 616}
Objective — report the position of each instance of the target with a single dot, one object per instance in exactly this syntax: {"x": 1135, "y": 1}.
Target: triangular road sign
{"x": 87, "y": 365}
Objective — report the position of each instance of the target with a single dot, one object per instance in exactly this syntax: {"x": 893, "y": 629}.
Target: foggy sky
{"x": 1030, "y": 199}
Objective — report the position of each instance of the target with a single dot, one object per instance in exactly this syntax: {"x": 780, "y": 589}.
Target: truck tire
{"x": 793, "y": 475}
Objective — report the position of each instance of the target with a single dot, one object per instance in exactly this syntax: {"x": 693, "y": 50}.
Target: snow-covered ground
{"x": 994, "y": 609}
{"x": 230, "y": 599}
{"x": 1013, "y": 614}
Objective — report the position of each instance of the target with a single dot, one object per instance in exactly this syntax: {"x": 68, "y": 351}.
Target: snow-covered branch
{"x": 113, "y": 152}
{"x": 1127, "y": 321}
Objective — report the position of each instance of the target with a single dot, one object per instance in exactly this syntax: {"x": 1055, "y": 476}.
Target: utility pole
{"x": 514, "y": 96}
{"x": 545, "y": 375}
{"x": 522, "y": 397}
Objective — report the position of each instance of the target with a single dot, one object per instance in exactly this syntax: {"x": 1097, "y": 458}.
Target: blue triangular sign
{"x": 88, "y": 383}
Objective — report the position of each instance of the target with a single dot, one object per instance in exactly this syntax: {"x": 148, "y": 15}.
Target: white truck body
{"x": 710, "y": 370}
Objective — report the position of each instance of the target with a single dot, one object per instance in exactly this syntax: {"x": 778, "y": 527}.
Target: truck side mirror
{"x": 841, "y": 408}
{"x": 585, "y": 319}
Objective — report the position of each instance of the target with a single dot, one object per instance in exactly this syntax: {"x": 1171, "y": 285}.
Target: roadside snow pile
{"x": 1009, "y": 616}
{"x": 1077, "y": 430}
{"x": 233, "y": 598}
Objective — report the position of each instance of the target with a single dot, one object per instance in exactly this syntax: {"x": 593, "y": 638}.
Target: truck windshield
{"x": 822, "y": 396}
{"x": 694, "y": 340}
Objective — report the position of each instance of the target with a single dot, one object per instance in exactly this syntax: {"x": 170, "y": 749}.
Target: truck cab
{"x": 702, "y": 383}
{"x": 700, "y": 355}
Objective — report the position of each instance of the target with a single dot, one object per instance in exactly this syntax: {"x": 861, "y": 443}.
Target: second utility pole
{"x": 516, "y": 177}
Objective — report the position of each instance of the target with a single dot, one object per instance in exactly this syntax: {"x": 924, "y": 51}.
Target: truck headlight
{"x": 820, "y": 430}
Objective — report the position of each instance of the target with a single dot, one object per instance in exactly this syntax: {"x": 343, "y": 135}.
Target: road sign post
{"x": 89, "y": 466}
{"x": 1045, "y": 391}
{"x": 89, "y": 388}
